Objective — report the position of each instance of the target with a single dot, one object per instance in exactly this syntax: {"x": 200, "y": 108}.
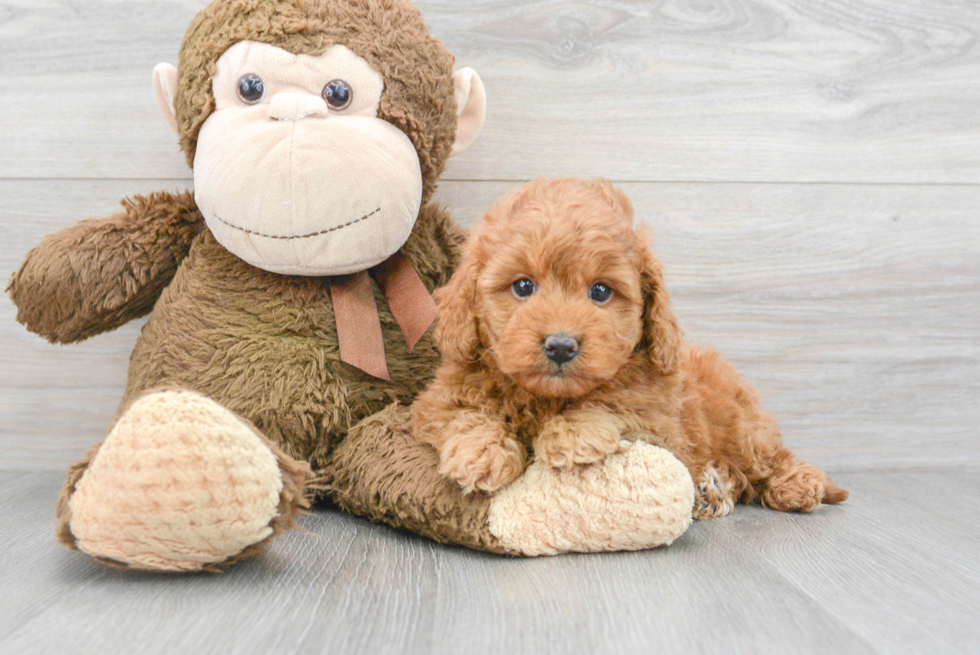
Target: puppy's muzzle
{"x": 560, "y": 348}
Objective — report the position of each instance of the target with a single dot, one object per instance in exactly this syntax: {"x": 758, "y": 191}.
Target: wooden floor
{"x": 895, "y": 570}
{"x": 811, "y": 171}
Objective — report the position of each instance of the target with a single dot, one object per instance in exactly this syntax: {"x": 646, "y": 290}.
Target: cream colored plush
{"x": 292, "y": 210}
{"x": 179, "y": 483}
{"x": 638, "y": 498}
{"x": 471, "y": 108}
{"x": 164, "y": 89}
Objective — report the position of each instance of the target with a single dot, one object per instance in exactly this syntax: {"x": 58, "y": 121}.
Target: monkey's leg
{"x": 639, "y": 498}
{"x": 180, "y": 484}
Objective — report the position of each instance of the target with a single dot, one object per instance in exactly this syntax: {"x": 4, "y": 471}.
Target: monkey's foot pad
{"x": 180, "y": 483}
{"x": 638, "y": 498}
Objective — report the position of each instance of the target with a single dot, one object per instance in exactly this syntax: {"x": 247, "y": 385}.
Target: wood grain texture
{"x": 854, "y": 309}
{"x": 709, "y": 90}
{"x": 888, "y": 572}
{"x": 916, "y": 559}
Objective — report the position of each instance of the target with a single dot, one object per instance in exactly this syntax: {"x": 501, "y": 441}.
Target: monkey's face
{"x": 316, "y": 128}
{"x": 294, "y": 171}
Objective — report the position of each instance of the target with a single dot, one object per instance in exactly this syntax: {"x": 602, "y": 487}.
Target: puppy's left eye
{"x": 600, "y": 293}
{"x": 523, "y": 288}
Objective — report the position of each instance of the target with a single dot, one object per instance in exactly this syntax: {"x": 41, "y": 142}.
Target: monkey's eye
{"x": 251, "y": 89}
{"x": 338, "y": 95}
{"x": 600, "y": 293}
{"x": 523, "y": 288}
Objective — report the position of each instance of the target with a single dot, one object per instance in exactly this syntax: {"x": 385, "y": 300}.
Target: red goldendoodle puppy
{"x": 559, "y": 339}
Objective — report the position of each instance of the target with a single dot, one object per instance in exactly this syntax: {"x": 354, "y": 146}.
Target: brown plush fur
{"x": 268, "y": 350}
{"x": 497, "y": 397}
{"x": 383, "y": 472}
{"x": 261, "y": 344}
{"x": 101, "y": 274}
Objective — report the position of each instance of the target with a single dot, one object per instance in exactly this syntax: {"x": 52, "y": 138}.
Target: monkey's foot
{"x": 638, "y": 498}
{"x": 180, "y": 484}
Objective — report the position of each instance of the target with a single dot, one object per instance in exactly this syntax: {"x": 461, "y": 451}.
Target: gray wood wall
{"x": 811, "y": 171}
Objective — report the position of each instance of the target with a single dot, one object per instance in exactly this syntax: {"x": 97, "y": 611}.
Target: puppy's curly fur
{"x": 499, "y": 395}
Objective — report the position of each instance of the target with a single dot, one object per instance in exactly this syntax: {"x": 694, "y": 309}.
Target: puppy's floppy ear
{"x": 661, "y": 332}
{"x": 456, "y": 331}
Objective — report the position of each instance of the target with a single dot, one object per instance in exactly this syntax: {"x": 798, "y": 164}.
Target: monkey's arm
{"x": 102, "y": 273}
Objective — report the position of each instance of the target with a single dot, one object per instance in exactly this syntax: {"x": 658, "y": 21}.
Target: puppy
{"x": 559, "y": 341}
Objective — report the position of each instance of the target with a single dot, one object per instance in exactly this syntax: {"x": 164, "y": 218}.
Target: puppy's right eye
{"x": 600, "y": 293}
{"x": 523, "y": 288}
{"x": 251, "y": 89}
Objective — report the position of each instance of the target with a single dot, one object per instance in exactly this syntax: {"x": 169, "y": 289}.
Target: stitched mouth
{"x": 300, "y": 236}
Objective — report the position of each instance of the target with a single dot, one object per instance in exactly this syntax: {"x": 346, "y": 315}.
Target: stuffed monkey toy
{"x": 289, "y": 301}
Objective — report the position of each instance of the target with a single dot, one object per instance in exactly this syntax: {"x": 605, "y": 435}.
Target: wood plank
{"x": 342, "y": 585}
{"x": 347, "y": 586}
{"x": 33, "y": 562}
{"x": 894, "y": 570}
{"x": 741, "y": 90}
{"x": 707, "y": 593}
{"x": 900, "y": 548}
{"x": 854, "y": 309}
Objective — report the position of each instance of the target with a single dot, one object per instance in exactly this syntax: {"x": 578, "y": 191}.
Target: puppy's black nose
{"x": 561, "y": 348}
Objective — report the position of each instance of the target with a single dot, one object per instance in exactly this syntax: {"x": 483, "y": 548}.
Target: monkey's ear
{"x": 165, "y": 88}
{"x": 471, "y": 108}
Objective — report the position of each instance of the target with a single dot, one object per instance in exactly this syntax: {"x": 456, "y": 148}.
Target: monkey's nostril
{"x": 560, "y": 348}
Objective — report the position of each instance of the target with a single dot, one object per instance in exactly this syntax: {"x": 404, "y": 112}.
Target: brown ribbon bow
{"x": 358, "y": 324}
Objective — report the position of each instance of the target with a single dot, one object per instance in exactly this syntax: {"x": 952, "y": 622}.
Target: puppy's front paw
{"x": 483, "y": 459}
{"x": 583, "y": 437}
